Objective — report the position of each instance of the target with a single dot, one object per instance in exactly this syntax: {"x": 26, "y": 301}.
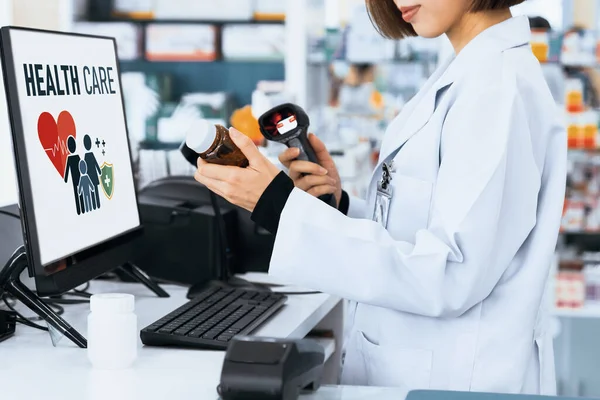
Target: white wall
{"x": 48, "y": 14}
{"x": 8, "y": 189}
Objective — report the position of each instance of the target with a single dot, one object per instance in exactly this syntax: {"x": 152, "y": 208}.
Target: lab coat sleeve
{"x": 483, "y": 209}
{"x": 357, "y": 207}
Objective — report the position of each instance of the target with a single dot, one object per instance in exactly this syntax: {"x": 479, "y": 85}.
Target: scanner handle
{"x": 307, "y": 153}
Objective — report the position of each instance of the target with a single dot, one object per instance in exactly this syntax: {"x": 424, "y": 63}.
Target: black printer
{"x": 182, "y": 241}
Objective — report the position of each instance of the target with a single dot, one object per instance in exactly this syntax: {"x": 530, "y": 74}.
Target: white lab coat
{"x": 449, "y": 295}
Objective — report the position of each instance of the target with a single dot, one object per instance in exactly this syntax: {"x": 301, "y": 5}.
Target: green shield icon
{"x": 107, "y": 180}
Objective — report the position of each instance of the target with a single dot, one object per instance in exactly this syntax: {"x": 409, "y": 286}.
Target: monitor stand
{"x": 10, "y": 283}
{"x": 136, "y": 273}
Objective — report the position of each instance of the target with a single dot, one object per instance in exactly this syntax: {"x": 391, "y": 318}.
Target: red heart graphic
{"x": 53, "y": 137}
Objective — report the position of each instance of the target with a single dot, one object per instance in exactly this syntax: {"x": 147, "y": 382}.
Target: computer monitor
{"x": 76, "y": 184}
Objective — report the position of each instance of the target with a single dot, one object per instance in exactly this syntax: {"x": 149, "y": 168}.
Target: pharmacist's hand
{"x": 240, "y": 186}
{"x": 313, "y": 178}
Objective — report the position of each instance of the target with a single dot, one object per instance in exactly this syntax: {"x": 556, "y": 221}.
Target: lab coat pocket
{"x": 410, "y": 207}
{"x": 389, "y": 366}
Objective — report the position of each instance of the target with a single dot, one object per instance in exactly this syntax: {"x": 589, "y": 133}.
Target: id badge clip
{"x": 384, "y": 196}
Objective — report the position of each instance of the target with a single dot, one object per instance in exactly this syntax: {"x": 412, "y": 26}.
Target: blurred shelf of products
{"x": 577, "y": 285}
{"x": 181, "y": 60}
{"x": 570, "y": 61}
{"x": 356, "y": 84}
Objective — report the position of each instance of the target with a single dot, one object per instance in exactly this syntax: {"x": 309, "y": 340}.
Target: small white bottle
{"x": 112, "y": 331}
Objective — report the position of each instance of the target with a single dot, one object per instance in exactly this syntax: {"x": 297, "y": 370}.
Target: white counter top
{"x": 31, "y": 368}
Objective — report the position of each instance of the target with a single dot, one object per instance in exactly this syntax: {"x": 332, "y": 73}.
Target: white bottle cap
{"x": 114, "y": 303}
{"x": 201, "y": 135}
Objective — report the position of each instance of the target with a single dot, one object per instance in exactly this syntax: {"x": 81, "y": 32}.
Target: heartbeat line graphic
{"x": 60, "y": 145}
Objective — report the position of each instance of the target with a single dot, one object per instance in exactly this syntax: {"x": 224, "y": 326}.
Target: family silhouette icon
{"x": 85, "y": 176}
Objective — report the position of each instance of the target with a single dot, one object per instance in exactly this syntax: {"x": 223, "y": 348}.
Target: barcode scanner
{"x": 288, "y": 124}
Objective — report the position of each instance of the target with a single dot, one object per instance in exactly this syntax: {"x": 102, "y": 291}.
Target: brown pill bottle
{"x": 214, "y": 145}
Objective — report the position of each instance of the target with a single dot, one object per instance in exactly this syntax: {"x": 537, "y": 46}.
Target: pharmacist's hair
{"x": 387, "y": 18}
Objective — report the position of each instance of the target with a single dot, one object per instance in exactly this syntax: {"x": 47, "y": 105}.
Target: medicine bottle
{"x": 112, "y": 331}
{"x": 213, "y": 144}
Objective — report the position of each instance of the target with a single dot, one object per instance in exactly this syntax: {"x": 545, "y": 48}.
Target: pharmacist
{"x": 447, "y": 283}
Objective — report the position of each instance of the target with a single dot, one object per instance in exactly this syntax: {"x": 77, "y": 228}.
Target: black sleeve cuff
{"x": 344, "y": 203}
{"x": 270, "y": 205}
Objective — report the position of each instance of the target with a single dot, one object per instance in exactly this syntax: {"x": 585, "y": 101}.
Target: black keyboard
{"x": 213, "y": 318}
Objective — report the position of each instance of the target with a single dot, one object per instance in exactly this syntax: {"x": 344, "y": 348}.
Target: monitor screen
{"x": 74, "y": 139}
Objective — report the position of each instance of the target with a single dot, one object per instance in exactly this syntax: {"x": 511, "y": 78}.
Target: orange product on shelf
{"x": 575, "y": 130}
{"x": 243, "y": 120}
{"x": 142, "y": 15}
{"x": 260, "y": 16}
{"x": 590, "y": 139}
{"x": 574, "y": 96}
{"x": 376, "y": 99}
{"x": 540, "y": 51}
{"x": 539, "y": 45}
{"x": 588, "y": 123}
{"x": 575, "y": 101}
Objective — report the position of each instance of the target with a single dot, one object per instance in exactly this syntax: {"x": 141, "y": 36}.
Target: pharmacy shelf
{"x": 584, "y": 312}
{"x": 584, "y": 234}
{"x": 157, "y": 145}
{"x": 236, "y": 77}
{"x": 216, "y": 22}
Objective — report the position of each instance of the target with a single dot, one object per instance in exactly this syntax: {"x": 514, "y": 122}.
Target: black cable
{"x": 56, "y": 301}
{"x": 226, "y": 253}
{"x": 82, "y": 292}
{"x": 77, "y": 294}
{"x": 11, "y": 214}
{"x": 11, "y": 301}
{"x": 21, "y": 319}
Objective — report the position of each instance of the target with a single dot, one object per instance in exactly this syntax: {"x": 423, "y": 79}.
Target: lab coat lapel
{"x": 416, "y": 116}
{"x": 509, "y": 34}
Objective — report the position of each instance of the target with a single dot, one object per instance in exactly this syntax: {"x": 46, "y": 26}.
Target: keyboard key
{"x": 210, "y": 335}
{"x": 242, "y": 323}
{"x": 224, "y": 338}
{"x": 195, "y": 333}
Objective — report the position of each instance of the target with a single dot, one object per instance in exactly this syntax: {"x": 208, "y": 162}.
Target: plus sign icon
{"x": 107, "y": 179}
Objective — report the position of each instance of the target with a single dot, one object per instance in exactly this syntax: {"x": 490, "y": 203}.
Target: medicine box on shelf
{"x": 267, "y": 42}
{"x": 176, "y": 42}
{"x": 128, "y": 36}
{"x": 204, "y": 9}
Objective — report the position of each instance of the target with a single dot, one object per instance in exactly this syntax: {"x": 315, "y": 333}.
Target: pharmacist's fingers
{"x": 288, "y": 156}
{"x": 299, "y": 168}
{"x": 247, "y": 146}
{"x": 309, "y": 181}
{"x": 319, "y": 191}
{"x": 224, "y": 173}
{"x": 200, "y": 162}
{"x": 319, "y": 148}
{"x": 214, "y": 185}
